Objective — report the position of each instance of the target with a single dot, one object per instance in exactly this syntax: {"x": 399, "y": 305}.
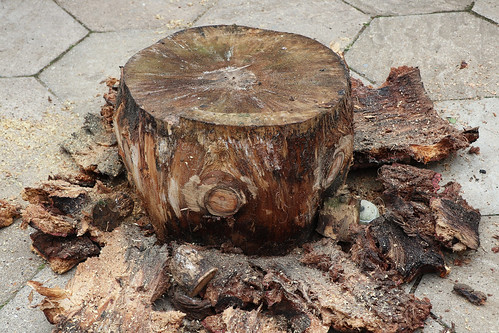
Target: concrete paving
{"x": 53, "y": 54}
{"x": 330, "y": 22}
{"x": 436, "y": 43}
{"x": 403, "y": 7}
{"x": 31, "y": 35}
{"x": 488, "y": 9}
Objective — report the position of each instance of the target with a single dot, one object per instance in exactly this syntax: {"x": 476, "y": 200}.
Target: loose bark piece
{"x": 418, "y": 220}
{"x": 413, "y": 198}
{"x": 110, "y": 211}
{"x": 55, "y": 207}
{"x": 387, "y": 248}
{"x": 473, "y": 296}
{"x": 456, "y": 221}
{"x": 397, "y": 123}
{"x": 235, "y": 134}
{"x": 64, "y": 213}
{"x": 107, "y": 110}
{"x": 8, "y": 212}
{"x": 190, "y": 270}
{"x": 63, "y": 253}
{"x": 93, "y": 147}
{"x": 407, "y": 194}
{"x": 115, "y": 291}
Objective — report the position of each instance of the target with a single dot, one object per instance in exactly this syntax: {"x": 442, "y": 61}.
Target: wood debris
{"x": 94, "y": 147}
{"x": 64, "y": 214}
{"x": 115, "y": 291}
{"x": 419, "y": 220}
{"x": 132, "y": 272}
{"x": 473, "y": 296}
{"x": 8, "y": 213}
{"x": 397, "y": 123}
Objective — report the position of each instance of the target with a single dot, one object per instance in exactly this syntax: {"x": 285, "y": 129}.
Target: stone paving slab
{"x": 20, "y": 315}
{"x": 437, "y": 44}
{"x": 114, "y": 15}
{"x": 31, "y": 35}
{"x": 330, "y": 22}
{"x": 17, "y": 263}
{"x": 76, "y": 76}
{"x": 480, "y": 189}
{"x": 32, "y": 124}
{"x": 488, "y": 9}
{"x": 404, "y": 7}
{"x": 481, "y": 274}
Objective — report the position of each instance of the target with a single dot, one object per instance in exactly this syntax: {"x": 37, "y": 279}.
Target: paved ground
{"x": 53, "y": 54}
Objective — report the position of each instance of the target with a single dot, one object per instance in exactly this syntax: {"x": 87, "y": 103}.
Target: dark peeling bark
{"x": 397, "y": 123}
{"x": 234, "y": 134}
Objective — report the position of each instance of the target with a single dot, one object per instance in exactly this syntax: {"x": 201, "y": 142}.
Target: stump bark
{"x": 235, "y": 134}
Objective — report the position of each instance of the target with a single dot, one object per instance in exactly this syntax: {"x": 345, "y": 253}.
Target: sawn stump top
{"x": 234, "y": 75}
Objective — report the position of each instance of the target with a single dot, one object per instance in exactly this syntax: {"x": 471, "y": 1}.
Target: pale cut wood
{"x": 234, "y": 134}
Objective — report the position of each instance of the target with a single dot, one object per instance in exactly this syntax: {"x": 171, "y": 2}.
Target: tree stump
{"x": 235, "y": 134}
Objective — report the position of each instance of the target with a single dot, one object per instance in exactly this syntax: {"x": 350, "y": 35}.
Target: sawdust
{"x": 30, "y": 147}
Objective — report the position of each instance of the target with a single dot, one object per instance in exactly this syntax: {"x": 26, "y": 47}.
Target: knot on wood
{"x": 222, "y": 201}
{"x": 218, "y": 192}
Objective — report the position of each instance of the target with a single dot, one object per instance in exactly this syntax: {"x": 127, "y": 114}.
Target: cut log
{"x": 235, "y": 134}
{"x": 397, "y": 123}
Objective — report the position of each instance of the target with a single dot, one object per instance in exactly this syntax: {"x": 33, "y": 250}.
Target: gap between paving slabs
{"x": 88, "y": 208}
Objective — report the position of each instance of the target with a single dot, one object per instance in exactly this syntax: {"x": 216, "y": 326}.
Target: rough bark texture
{"x": 66, "y": 215}
{"x": 397, "y": 123}
{"x": 308, "y": 292}
{"x": 234, "y": 134}
{"x": 63, "y": 253}
{"x": 8, "y": 212}
{"x": 418, "y": 220}
{"x": 412, "y": 195}
{"x": 93, "y": 148}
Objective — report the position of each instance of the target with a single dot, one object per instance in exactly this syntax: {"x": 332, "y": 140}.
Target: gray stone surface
{"x": 481, "y": 190}
{"x": 330, "y": 22}
{"x": 481, "y": 274}
{"x": 76, "y": 76}
{"x": 31, "y": 128}
{"x": 31, "y": 35}
{"x": 21, "y": 316}
{"x": 488, "y": 9}
{"x": 114, "y": 15}
{"x": 437, "y": 44}
{"x": 23, "y": 98}
{"x": 17, "y": 263}
{"x": 404, "y": 7}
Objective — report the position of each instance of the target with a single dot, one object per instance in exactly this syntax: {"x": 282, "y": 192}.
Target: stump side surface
{"x": 231, "y": 75}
